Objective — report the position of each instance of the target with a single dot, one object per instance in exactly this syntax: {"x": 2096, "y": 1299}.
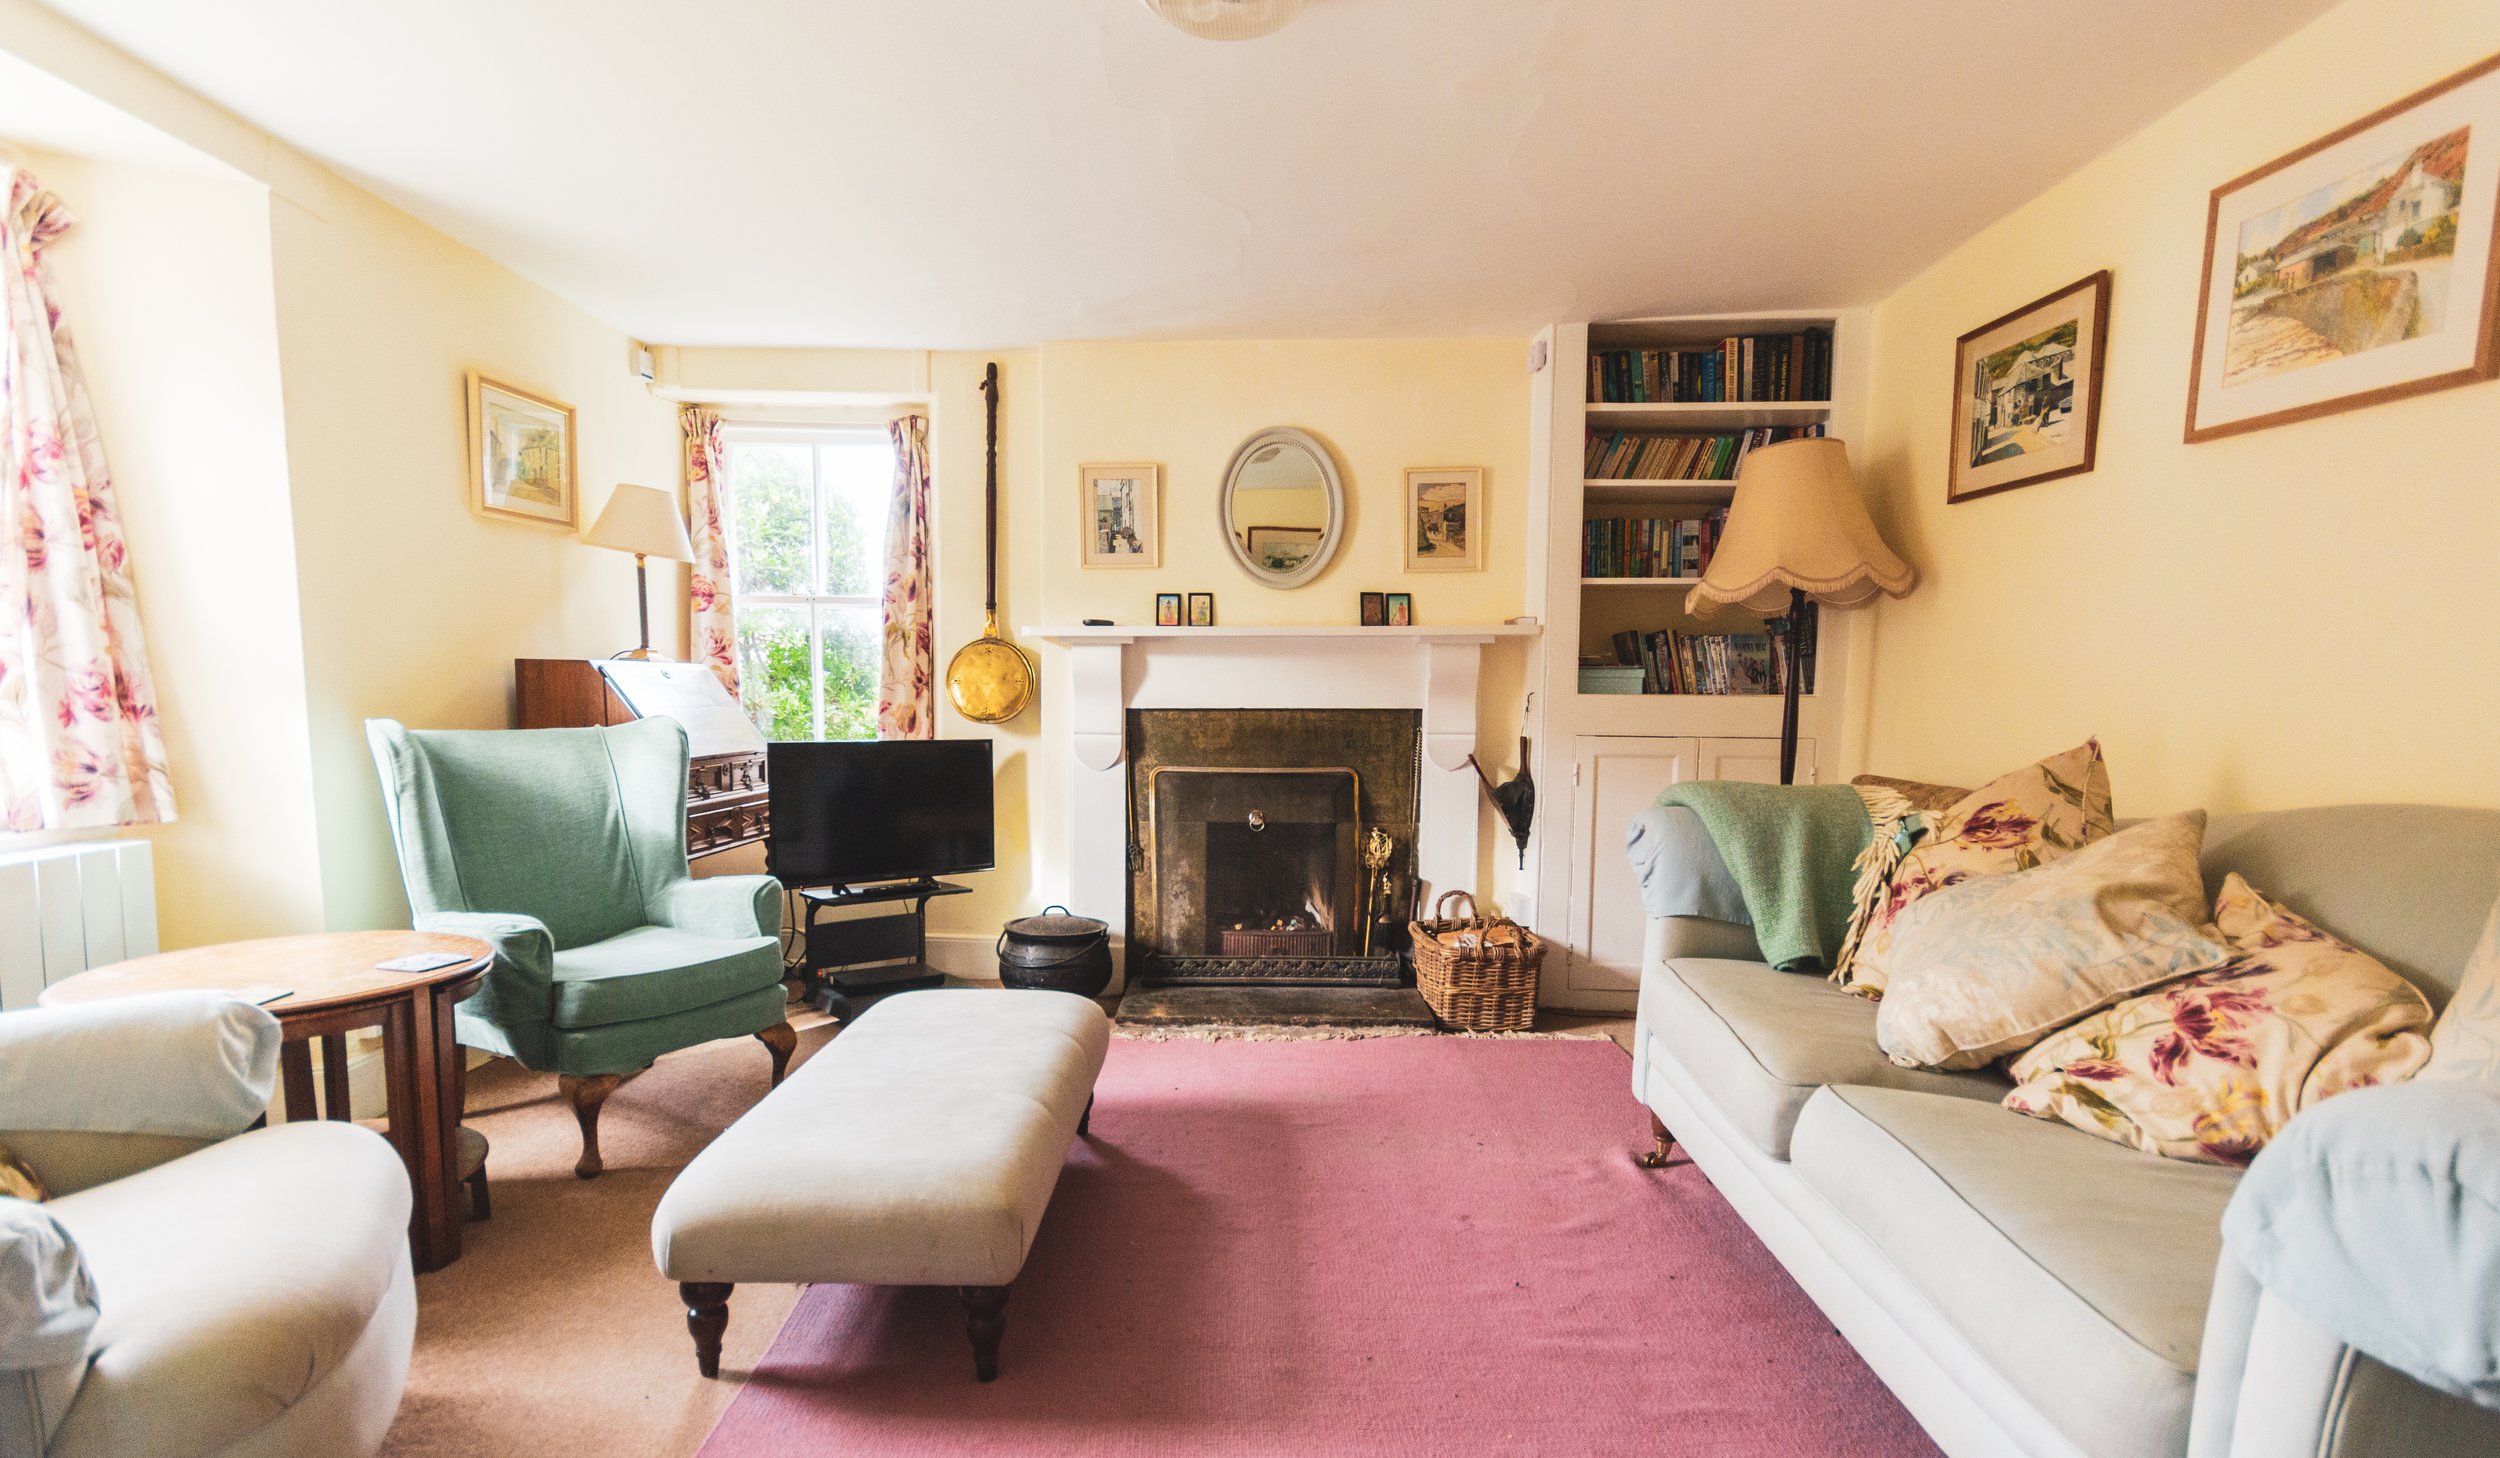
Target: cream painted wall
{"x": 2293, "y": 616}
{"x": 166, "y": 287}
{"x": 414, "y": 605}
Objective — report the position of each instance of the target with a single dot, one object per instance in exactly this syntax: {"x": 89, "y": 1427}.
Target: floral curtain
{"x": 711, "y": 626}
{"x": 79, "y": 742}
{"x": 906, "y": 705}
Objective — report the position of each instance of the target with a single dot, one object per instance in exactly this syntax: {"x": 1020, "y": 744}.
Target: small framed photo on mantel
{"x": 1123, "y": 515}
{"x": 2027, "y": 393}
{"x": 1167, "y": 609}
{"x": 2363, "y": 267}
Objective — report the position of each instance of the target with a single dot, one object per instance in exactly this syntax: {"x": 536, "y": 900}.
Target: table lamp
{"x": 642, "y": 520}
{"x": 1798, "y": 530}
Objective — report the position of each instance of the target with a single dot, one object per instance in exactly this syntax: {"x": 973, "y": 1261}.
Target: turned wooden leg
{"x": 586, "y": 1095}
{"x": 783, "y": 1040}
{"x": 1662, "y": 1145}
{"x": 707, "y": 1316}
{"x": 1085, "y": 1121}
{"x": 985, "y": 1318}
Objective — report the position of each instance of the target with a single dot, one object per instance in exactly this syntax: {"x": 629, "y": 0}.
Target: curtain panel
{"x": 80, "y": 746}
{"x": 906, "y": 697}
{"x": 711, "y": 622}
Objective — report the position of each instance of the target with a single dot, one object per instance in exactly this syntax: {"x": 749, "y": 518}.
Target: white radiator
{"x": 66, "y": 908}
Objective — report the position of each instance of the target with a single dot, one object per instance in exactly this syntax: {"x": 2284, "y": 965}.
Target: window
{"x": 807, "y": 511}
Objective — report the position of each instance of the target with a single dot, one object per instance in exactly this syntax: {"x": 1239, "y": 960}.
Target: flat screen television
{"x": 848, "y": 813}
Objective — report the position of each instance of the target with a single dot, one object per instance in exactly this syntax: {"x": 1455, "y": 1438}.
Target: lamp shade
{"x": 1798, "y": 522}
{"x": 642, "y": 520}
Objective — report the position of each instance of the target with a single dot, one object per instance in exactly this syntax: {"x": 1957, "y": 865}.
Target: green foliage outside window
{"x": 772, "y": 490}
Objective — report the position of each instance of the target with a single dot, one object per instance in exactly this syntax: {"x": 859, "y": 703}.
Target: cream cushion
{"x": 232, "y": 1283}
{"x": 2080, "y": 1268}
{"x": 2213, "y": 1065}
{"x": 919, "y": 1148}
{"x": 2013, "y": 823}
{"x": 1991, "y": 967}
{"x": 1763, "y": 1042}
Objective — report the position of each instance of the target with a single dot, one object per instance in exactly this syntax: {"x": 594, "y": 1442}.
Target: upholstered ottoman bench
{"x": 918, "y": 1148}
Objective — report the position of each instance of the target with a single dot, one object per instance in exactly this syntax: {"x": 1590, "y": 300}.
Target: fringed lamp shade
{"x": 1798, "y": 524}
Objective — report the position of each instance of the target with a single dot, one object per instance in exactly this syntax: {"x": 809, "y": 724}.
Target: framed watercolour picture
{"x": 1202, "y": 610}
{"x": 2027, "y": 392}
{"x": 1445, "y": 519}
{"x": 1401, "y": 610}
{"x": 2358, "y": 269}
{"x": 1123, "y": 515}
{"x": 1167, "y": 609}
{"x": 520, "y": 454}
{"x": 1283, "y": 548}
{"x": 1372, "y": 610}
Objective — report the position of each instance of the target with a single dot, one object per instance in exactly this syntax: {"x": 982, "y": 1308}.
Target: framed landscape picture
{"x": 1445, "y": 519}
{"x": 520, "y": 454}
{"x": 1123, "y": 516}
{"x": 2356, "y": 270}
{"x": 1283, "y": 548}
{"x": 2027, "y": 392}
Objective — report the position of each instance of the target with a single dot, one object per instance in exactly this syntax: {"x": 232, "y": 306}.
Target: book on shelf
{"x": 1740, "y": 369}
{"x": 1620, "y": 455}
{"x": 1672, "y": 662}
{"x": 1642, "y": 546}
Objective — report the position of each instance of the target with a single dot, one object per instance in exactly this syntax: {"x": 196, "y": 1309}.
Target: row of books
{"x": 1642, "y": 546}
{"x": 1745, "y": 367}
{"x": 1624, "y": 456}
{"x": 1670, "y": 662}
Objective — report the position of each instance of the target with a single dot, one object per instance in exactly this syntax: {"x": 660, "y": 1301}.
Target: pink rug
{"x": 1398, "y": 1245}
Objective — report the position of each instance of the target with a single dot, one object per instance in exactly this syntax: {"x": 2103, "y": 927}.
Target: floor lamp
{"x": 1797, "y": 532}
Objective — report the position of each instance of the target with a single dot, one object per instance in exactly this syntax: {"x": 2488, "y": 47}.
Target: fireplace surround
{"x": 1096, "y": 674}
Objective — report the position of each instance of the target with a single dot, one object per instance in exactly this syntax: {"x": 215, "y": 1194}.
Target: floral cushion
{"x": 2028, "y": 818}
{"x": 1992, "y": 966}
{"x": 2465, "y": 1043}
{"x": 2212, "y": 1066}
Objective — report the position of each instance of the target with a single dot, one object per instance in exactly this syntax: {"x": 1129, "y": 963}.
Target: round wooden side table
{"x": 332, "y": 986}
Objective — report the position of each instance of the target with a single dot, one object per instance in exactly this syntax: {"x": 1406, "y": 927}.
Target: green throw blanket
{"x": 1791, "y": 850}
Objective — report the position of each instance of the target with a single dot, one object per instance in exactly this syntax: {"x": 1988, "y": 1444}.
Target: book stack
{"x": 1743, "y": 368}
{"x": 1623, "y": 456}
{"x": 1639, "y": 546}
{"x": 1673, "y": 662}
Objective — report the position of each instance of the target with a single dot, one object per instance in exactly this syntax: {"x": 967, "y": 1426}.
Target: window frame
{"x": 735, "y": 434}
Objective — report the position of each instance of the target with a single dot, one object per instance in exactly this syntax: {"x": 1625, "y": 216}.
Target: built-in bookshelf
{"x": 1605, "y": 747}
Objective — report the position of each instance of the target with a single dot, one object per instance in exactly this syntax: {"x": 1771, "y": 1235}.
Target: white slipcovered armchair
{"x": 192, "y": 1286}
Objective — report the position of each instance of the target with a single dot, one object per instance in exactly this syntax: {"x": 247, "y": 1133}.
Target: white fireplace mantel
{"x": 1111, "y": 670}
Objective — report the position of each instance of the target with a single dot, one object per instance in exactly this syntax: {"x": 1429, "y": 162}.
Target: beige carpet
{"x": 553, "y": 1334}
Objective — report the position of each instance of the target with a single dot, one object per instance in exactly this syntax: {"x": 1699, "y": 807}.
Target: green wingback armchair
{"x": 566, "y": 849}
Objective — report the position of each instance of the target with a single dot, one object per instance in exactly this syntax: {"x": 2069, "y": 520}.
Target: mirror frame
{"x": 1318, "y": 563}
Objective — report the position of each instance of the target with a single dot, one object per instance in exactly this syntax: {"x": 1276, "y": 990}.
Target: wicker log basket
{"x": 1478, "y": 972}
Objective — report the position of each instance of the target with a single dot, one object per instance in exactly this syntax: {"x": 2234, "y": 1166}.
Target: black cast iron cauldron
{"x": 1056, "y": 952}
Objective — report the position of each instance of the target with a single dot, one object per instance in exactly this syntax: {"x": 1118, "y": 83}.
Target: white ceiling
{"x": 968, "y": 173}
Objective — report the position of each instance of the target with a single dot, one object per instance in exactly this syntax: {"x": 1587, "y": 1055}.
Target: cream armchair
{"x": 247, "y": 1292}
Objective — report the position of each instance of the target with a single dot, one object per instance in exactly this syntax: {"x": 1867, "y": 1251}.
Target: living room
{"x": 1645, "y": 729}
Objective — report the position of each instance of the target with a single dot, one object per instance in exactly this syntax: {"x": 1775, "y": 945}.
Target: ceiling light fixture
{"x": 1228, "y": 20}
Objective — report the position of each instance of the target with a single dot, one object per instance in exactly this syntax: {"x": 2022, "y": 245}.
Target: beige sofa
{"x": 2023, "y": 1287}
{"x": 252, "y": 1296}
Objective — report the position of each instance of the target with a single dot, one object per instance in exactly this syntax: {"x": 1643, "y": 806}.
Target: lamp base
{"x": 637, "y": 655}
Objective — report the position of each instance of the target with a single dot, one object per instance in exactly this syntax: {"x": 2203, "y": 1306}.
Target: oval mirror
{"x": 1284, "y": 507}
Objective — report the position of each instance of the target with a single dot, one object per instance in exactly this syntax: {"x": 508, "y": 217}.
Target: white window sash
{"x": 811, "y": 436}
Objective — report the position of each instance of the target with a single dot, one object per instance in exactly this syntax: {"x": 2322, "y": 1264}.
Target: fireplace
{"x": 1271, "y": 847}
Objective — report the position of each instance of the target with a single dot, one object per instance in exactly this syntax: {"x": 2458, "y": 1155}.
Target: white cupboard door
{"x": 1614, "y": 778}
{"x": 1756, "y": 761}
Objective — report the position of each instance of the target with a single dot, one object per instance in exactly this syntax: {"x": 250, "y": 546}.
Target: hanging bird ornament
{"x": 1514, "y": 799}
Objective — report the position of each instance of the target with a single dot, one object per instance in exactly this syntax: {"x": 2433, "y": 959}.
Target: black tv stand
{"x": 853, "y": 961}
